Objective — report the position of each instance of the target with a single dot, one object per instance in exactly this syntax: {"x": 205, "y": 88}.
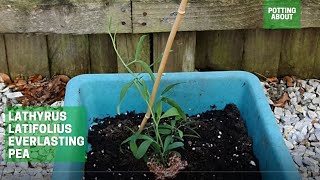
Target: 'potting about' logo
{"x": 282, "y": 14}
{"x": 45, "y": 134}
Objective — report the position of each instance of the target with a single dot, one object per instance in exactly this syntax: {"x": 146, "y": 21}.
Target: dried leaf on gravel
{"x": 39, "y": 90}
{"x": 282, "y": 101}
{"x": 272, "y": 80}
{"x": 4, "y": 78}
{"x": 289, "y": 80}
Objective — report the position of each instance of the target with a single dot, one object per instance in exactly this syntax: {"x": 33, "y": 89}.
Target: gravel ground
{"x": 23, "y": 170}
{"x": 298, "y": 121}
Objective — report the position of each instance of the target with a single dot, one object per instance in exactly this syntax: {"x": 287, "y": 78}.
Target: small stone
{"x": 278, "y": 111}
{"x": 8, "y": 170}
{"x": 316, "y": 125}
{"x": 288, "y": 144}
{"x": 316, "y": 100}
{"x": 312, "y": 114}
{"x": 299, "y": 126}
{"x": 309, "y": 161}
{"x": 312, "y": 137}
{"x": 317, "y": 133}
{"x": 253, "y": 163}
{"x": 309, "y": 153}
{"x": 315, "y": 144}
{"x": 308, "y": 95}
{"x": 299, "y": 108}
{"x": 23, "y": 165}
{"x": 14, "y": 95}
{"x": 312, "y": 107}
{"x": 298, "y": 160}
{"x": 38, "y": 176}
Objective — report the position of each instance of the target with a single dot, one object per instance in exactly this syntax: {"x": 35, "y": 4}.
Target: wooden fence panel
{"x": 102, "y": 55}
{"x": 126, "y": 45}
{"x": 69, "y": 54}
{"x": 298, "y": 53}
{"x": 158, "y": 16}
{"x": 3, "y": 56}
{"x": 316, "y": 70}
{"x": 27, "y": 55}
{"x": 64, "y": 16}
{"x": 221, "y": 50}
{"x": 182, "y": 57}
{"x": 262, "y": 51}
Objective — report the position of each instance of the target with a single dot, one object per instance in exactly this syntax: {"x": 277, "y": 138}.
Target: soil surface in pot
{"x": 224, "y": 150}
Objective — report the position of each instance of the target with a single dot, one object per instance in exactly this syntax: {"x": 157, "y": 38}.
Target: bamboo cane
{"x": 175, "y": 27}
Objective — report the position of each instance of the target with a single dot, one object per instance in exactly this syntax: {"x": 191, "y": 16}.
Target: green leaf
{"x": 175, "y": 145}
{"x": 168, "y": 88}
{"x": 143, "y": 148}
{"x": 173, "y": 123}
{"x": 164, "y": 131}
{"x": 170, "y": 112}
{"x": 174, "y": 104}
{"x": 142, "y": 94}
{"x": 180, "y": 133}
{"x": 167, "y": 126}
{"x": 145, "y": 137}
{"x": 139, "y": 47}
{"x": 167, "y": 141}
{"x": 147, "y": 68}
{"x": 133, "y": 146}
{"x": 123, "y": 92}
{"x": 127, "y": 140}
{"x": 156, "y": 147}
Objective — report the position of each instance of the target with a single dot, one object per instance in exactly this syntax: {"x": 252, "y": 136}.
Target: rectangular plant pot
{"x": 99, "y": 94}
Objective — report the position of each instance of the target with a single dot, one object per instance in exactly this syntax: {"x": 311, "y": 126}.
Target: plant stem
{"x": 167, "y": 50}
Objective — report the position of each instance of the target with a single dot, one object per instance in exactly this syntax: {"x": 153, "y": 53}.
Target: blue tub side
{"x": 274, "y": 158}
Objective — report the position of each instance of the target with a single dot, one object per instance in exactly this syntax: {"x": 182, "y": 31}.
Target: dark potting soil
{"x": 223, "y": 151}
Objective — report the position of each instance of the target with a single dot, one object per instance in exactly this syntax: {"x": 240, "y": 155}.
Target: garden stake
{"x": 175, "y": 27}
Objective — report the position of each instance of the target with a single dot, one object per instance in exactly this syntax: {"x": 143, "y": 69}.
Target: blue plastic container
{"x": 99, "y": 94}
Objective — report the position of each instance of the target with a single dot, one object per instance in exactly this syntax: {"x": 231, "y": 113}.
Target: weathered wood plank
{"x": 220, "y": 50}
{"x": 316, "y": 70}
{"x": 126, "y": 45}
{"x": 3, "y": 56}
{"x": 298, "y": 53}
{"x": 102, "y": 55}
{"x": 69, "y": 54}
{"x": 27, "y": 55}
{"x": 157, "y": 16}
{"x": 310, "y": 13}
{"x": 262, "y": 51}
{"x": 182, "y": 57}
{"x": 65, "y": 16}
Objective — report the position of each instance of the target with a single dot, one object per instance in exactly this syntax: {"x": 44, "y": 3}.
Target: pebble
{"x": 312, "y": 114}
{"x": 14, "y": 95}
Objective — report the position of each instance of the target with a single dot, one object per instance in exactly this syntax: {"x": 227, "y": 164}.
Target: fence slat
{"x": 316, "y": 70}
{"x": 298, "y": 53}
{"x": 262, "y": 51}
{"x": 182, "y": 57}
{"x": 220, "y": 50}
{"x": 127, "y": 44}
{"x": 3, "y": 58}
{"x": 27, "y": 55}
{"x": 158, "y": 16}
{"x": 102, "y": 55}
{"x": 69, "y": 54}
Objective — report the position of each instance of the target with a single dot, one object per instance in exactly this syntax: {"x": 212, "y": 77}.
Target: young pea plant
{"x": 166, "y": 133}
